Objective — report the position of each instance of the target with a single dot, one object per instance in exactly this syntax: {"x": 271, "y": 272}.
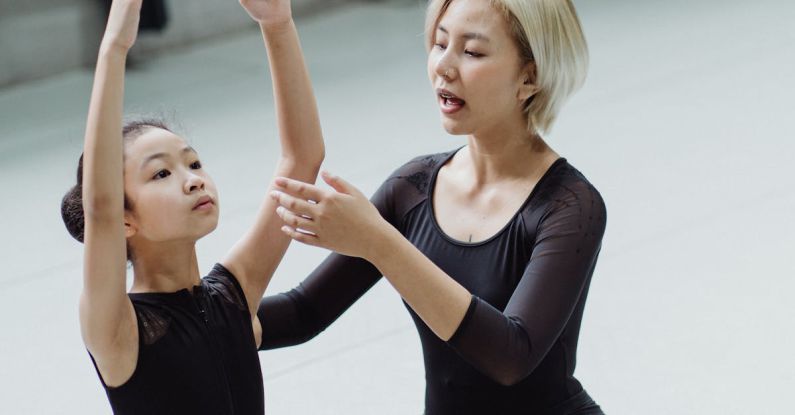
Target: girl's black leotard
{"x": 196, "y": 353}
{"x": 514, "y": 352}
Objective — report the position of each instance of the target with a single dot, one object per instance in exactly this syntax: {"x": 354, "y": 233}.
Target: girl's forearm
{"x": 104, "y": 306}
{"x": 296, "y": 110}
{"x": 439, "y": 300}
{"x": 102, "y": 160}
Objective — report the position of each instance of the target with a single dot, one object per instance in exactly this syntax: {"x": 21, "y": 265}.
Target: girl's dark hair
{"x": 72, "y": 202}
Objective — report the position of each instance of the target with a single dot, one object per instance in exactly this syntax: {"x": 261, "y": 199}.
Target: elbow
{"x": 511, "y": 378}
{"x": 520, "y": 360}
{"x": 308, "y": 335}
{"x": 100, "y": 208}
{"x": 513, "y": 375}
{"x": 515, "y": 366}
{"x": 271, "y": 340}
{"x": 305, "y": 166}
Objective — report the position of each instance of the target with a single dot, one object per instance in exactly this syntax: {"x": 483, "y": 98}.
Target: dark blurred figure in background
{"x": 154, "y": 15}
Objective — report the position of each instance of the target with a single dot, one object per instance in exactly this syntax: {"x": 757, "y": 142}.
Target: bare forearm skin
{"x": 439, "y": 300}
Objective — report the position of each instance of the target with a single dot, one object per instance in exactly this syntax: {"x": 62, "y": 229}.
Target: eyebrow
{"x": 467, "y": 35}
{"x": 187, "y": 149}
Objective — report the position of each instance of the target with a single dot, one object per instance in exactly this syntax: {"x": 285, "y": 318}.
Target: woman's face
{"x": 172, "y": 196}
{"x": 475, "y": 69}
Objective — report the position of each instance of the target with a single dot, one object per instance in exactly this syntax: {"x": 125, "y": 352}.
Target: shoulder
{"x": 222, "y": 282}
{"x": 407, "y": 186}
{"x": 566, "y": 201}
{"x": 564, "y": 186}
{"x": 417, "y": 172}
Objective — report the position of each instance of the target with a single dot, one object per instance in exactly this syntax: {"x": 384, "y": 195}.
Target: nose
{"x": 193, "y": 183}
{"x": 445, "y": 66}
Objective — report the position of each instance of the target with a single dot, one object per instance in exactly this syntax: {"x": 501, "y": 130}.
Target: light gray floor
{"x": 684, "y": 125}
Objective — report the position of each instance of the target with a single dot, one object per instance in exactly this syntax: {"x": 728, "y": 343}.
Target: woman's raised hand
{"x": 342, "y": 220}
{"x": 268, "y": 12}
{"x": 122, "y": 28}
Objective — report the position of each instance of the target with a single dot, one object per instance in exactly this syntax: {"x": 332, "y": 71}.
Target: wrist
{"x": 384, "y": 244}
{"x": 277, "y": 27}
{"x": 109, "y": 49}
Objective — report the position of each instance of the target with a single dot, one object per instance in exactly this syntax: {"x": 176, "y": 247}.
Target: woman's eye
{"x": 441, "y": 46}
{"x": 161, "y": 174}
{"x": 196, "y": 165}
{"x": 473, "y": 54}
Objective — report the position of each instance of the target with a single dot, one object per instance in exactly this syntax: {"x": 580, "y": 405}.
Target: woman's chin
{"x": 453, "y": 127}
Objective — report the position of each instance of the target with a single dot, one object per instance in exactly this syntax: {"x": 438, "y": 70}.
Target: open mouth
{"x": 450, "y": 102}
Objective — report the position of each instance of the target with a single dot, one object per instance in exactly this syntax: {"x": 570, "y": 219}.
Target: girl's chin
{"x": 204, "y": 229}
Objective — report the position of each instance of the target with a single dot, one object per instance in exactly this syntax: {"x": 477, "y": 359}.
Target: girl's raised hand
{"x": 268, "y": 13}
{"x": 342, "y": 220}
{"x": 122, "y": 28}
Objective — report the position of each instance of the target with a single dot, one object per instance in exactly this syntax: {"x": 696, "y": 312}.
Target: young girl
{"x": 178, "y": 343}
{"x": 492, "y": 246}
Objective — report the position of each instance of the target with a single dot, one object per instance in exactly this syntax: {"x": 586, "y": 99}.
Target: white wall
{"x": 44, "y": 37}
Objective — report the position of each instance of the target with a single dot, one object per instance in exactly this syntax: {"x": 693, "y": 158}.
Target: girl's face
{"x": 172, "y": 196}
{"x": 475, "y": 69}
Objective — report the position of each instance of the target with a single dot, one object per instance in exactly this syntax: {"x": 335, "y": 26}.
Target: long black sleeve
{"x": 507, "y": 345}
{"x": 302, "y": 313}
{"x": 515, "y": 350}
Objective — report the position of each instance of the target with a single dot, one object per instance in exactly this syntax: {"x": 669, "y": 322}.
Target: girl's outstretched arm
{"x": 255, "y": 257}
{"x": 107, "y": 318}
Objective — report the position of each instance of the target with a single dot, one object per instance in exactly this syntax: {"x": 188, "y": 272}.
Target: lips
{"x": 449, "y": 102}
{"x": 204, "y": 202}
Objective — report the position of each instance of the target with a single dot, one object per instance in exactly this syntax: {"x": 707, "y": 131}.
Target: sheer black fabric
{"x": 196, "y": 355}
{"x": 514, "y": 352}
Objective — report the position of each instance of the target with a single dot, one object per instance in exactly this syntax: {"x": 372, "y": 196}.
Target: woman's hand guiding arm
{"x": 344, "y": 221}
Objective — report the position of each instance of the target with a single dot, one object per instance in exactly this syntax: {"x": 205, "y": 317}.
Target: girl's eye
{"x": 473, "y": 54}
{"x": 441, "y": 46}
{"x": 196, "y": 165}
{"x": 161, "y": 174}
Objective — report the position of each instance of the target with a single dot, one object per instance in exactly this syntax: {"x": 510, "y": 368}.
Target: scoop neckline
{"x": 192, "y": 291}
{"x": 454, "y": 241}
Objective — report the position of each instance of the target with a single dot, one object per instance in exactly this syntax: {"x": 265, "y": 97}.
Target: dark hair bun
{"x": 72, "y": 206}
{"x": 72, "y": 202}
{"x": 72, "y": 212}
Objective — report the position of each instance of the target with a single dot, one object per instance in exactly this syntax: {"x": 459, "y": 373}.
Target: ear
{"x": 527, "y": 82}
{"x": 130, "y": 226}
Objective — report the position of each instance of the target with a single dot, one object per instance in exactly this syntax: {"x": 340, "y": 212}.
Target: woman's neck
{"x": 165, "y": 267}
{"x": 506, "y": 155}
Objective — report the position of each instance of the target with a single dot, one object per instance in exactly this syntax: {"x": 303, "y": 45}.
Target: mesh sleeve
{"x": 508, "y": 345}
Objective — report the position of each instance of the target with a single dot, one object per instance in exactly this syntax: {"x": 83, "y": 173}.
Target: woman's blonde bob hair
{"x": 548, "y": 33}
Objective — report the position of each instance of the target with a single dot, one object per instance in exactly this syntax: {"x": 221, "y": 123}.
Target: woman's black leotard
{"x": 514, "y": 352}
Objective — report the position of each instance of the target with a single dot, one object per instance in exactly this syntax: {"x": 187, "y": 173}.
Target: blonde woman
{"x": 492, "y": 246}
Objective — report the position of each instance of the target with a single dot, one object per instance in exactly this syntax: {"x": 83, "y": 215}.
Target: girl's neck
{"x": 166, "y": 267}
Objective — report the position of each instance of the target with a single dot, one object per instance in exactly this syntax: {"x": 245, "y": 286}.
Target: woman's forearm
{"x": 344, "y": 221}
{"x": 439, "y": 300}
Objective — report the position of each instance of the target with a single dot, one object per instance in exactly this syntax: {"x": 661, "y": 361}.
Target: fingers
{"x": 299, "y": 189}
{"x": 294, "y": 221}
{"x": 299, "y": 236}
{"x": 338, "y": 184}
{"x": 294, "y": 204}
